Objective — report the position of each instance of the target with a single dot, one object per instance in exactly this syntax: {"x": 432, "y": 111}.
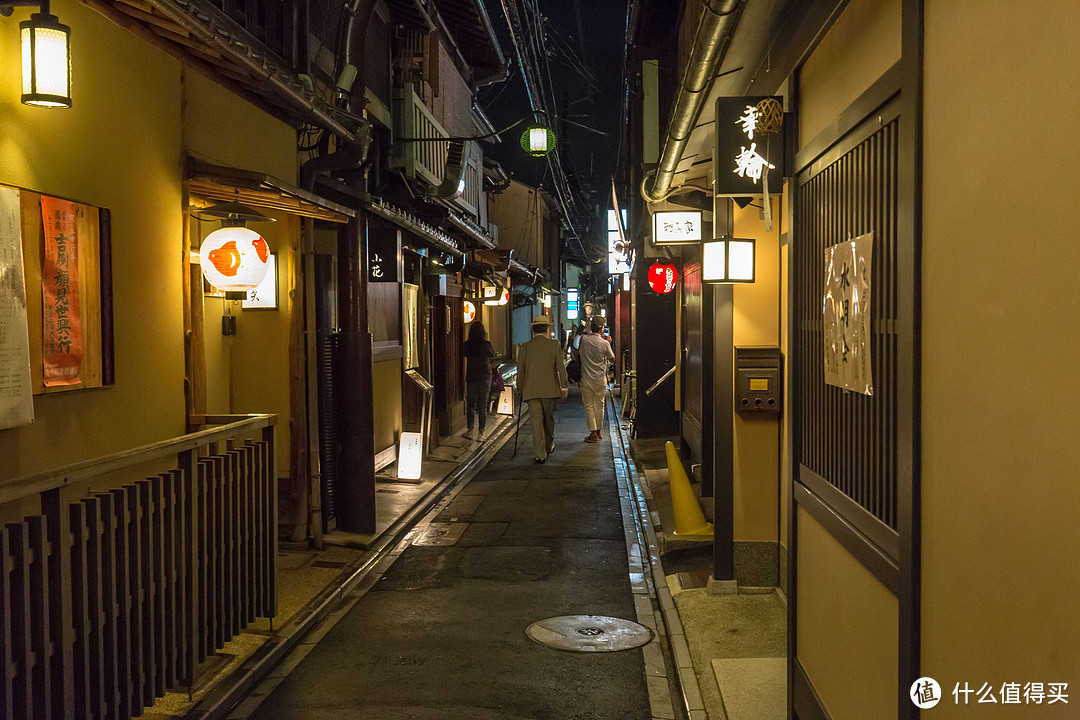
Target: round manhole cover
{"x": 589, "y": 633}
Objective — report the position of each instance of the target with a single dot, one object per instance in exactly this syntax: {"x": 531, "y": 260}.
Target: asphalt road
{"x": 442, "y": 633}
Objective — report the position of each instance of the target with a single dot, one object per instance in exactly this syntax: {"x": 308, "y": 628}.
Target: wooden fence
{"x": 108, "y": 600}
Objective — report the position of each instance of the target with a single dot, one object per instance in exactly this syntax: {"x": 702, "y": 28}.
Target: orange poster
{"x": 62, "y": 345}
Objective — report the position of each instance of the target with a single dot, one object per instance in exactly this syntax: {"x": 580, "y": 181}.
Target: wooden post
{"x": 298, "y": 382}
{"x": 311, "y": 324}
{"x": 357, "y": 489}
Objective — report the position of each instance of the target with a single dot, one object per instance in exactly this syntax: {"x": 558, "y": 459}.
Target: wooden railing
{"x": 109, "y": 599}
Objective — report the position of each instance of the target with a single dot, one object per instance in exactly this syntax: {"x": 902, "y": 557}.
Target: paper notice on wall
{"x": 62, "y": 343}
{"x": 16, "y": 393}
{"x": 847, "y": 314}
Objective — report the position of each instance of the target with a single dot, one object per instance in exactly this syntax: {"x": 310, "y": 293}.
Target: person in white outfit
{"x": 596, "y": 354}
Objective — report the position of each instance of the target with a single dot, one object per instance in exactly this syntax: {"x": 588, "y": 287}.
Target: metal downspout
{"x": 718, "y": 20}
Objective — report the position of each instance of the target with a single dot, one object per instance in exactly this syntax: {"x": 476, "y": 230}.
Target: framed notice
{"x": 66, "y": 272}
{"x": 16, "y": 390}
{"x": 846, "y": 309}
{"x": 62, "y": 339}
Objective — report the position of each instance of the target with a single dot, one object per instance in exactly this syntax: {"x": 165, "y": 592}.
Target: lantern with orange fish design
{"x": 234, "y": 258}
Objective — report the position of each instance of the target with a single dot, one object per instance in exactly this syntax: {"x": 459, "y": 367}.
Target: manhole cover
{"x": 589, "y": 633}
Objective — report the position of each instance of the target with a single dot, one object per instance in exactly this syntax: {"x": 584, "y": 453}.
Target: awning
{"x": 428, "y": 234}
{"x": 209, "y": 184}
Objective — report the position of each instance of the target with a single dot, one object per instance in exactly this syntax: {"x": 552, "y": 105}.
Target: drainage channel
{"x": 239, "y": 695}
{"x": 667, "y": 676}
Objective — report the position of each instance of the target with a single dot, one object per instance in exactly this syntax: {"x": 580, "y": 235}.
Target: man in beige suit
{"x": 541, "y": 378}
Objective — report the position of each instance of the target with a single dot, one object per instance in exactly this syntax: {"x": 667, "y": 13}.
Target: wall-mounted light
{"x": 470, "y": 311}
{"x": 682, "y": 227}
{"x": 234, "y": 258}
{"x": 46, "y": 56}
{"x": 728, "y": 260}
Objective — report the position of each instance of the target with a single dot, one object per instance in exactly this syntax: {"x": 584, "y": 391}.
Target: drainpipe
{"x": 718, "y": 21}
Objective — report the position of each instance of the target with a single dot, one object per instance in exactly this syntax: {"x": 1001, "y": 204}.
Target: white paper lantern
{"x": 234, "y": 259}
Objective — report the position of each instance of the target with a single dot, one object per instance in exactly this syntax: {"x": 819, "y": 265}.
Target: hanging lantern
{"x": 234, "y": 258}
{"x": 538, "y": 140}
{"x": 470, "y": 311}
{"x": 46, "y": 60}
{"x": 662, "y": 277}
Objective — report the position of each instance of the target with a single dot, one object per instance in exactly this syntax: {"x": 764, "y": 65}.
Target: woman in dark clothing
{"x": 478, "y": 356}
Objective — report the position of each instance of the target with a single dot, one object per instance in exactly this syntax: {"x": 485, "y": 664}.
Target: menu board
{"x": 16, "y": 393}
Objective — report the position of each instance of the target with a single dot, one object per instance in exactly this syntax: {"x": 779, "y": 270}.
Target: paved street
{"x": 442, "y": 633}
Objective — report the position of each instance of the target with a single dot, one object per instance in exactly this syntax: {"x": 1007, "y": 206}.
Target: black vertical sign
{"x": 749, "y": 141}
{"x": 384, "y": 255}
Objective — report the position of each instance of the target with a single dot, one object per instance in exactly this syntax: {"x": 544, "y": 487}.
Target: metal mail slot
{"x": 758, "y": 380}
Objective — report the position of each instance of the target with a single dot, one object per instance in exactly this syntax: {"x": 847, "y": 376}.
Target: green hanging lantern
{"x": 538, "y": 140}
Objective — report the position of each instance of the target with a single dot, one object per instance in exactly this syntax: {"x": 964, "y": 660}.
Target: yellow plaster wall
{"x": 1001, "y": 340}
{"x": 755, "y": 321}
{"x": 847, "y": 632}
{"x": 248, "y": 372}
{"x": 857, "y": 50}
{"x": 224, "y": 129}
{"x": 118, "y": 147}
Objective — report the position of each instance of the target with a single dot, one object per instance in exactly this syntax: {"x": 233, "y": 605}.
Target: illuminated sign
{"x": 618, "y": 257}
{"x": 264, "y": 295}
{"x": 676, "y": 228}
{"x": 749, "y": 144}
{"x": 502, "y": 299}
{"x": 571, "y": 304}
{"x": 470, "y": 311}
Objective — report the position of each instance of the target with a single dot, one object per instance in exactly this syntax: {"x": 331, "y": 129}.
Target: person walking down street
{"x": 596, "y": 354}
{"x": 478, "y": 369}
{"x": 542, "y": 379}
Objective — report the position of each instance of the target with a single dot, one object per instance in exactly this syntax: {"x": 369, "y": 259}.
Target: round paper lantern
{"x": 234, "y": 259}
{"x": 470, "y": 312}
{"x": 538, "y": 140}
{"x": 662, "y": 277}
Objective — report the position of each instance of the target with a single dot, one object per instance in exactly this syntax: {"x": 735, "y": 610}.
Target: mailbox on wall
{"x": 758, "y": 381}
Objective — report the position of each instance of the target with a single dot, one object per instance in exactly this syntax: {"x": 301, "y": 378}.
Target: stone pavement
{"x": 441, "y": 634}
{"x": 735, "y": 644}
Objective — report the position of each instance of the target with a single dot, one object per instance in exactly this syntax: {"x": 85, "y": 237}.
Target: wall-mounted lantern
{"x": 663, "y": 277}
{"x": 728, "y": 260}
{"x": 46, "y": 55}
{"x": 234, "y": 258}
{"x": 470, "y": 311}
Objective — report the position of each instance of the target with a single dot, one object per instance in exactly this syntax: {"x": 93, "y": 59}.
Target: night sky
{"x": 584, "y": 42}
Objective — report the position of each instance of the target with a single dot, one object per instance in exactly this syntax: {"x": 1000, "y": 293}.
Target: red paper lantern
{"x": 662, "y": 277}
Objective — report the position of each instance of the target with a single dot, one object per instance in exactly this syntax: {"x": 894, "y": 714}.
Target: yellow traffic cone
{"x": 689, "y": 520}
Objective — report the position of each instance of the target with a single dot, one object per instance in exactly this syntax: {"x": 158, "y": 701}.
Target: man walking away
{"x": 596, "y": 355}
{"x": 542, "y": 379}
